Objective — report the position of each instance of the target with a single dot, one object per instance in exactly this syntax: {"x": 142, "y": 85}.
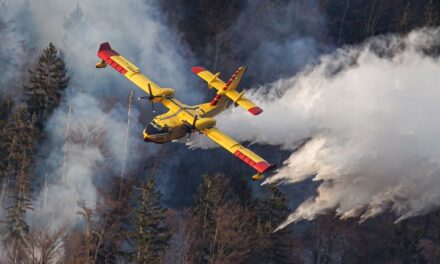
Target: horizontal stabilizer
{"x": 228, "y": 89}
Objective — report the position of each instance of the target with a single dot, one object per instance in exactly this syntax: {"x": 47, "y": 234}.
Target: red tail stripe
{"x": 230, "y": 80}
{"x": 218, "y": 96}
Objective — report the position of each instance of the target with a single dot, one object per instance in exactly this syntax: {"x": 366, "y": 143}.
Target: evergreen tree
{"x": 212, "y": 193}
{"x": 151, "y": 235}
{"x": 48, "y": 81}
{"x": 114, "y": 212}
{"x": 5, "y": 110}
{"x": 431, "y": 14}
{"x": 17, "y": 180}
{"x": 404, "y": 22}
{"x": 273, "y": 247}
{"x": 221, "y": 226}
{"x": 405, "y": 245}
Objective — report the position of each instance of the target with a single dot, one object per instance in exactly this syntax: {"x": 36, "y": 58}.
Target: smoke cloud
{"x": 277, "y": 39}
{"x": 98, "y": 99}
{"x": 12, "y": 53}
{"x": 368, "y": 116}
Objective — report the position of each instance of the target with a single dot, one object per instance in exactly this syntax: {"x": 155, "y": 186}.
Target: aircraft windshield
{"x": 154, "y": 128}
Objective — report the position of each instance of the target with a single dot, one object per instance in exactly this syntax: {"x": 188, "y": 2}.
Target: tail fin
{"x": 228, "y": 89}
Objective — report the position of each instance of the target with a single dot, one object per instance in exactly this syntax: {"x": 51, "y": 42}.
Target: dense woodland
{"x": 224, "y": 222}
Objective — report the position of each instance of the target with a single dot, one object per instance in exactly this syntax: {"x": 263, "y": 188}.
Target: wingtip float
{"x": 182, "y": 120}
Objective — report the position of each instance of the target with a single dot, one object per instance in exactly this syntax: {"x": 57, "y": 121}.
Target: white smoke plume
{"x": 12, "y": 53}
{"x": 369, "y": 113}
{"x": 135, "y": 29}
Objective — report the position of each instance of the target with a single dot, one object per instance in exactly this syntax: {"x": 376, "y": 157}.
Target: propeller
{"x": 194, "y": 122}
{"x": 193, "y": 126}
{"x": 150, "y": 97}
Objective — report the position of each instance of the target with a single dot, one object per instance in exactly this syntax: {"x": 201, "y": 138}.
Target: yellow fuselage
{"x": 177, "y": 122}
{"x": 162, "y": 131}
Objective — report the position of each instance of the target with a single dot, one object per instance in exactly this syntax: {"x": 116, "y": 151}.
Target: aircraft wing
{"x": 213, "y": 80}
{"x": 246, "y": 155}
{"x": 238, "y": 99}
{"x": 130, "y": 71}
{"x": 229, "y": 88}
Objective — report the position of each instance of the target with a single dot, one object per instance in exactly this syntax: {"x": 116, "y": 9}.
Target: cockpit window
{"x": 154, "y": 128}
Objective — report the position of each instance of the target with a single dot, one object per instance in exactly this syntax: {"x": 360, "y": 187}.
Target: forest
{"x": 173, "y": 206}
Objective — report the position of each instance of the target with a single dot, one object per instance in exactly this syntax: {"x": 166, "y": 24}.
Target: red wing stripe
{"x": 255, "y": 110}
{"x": 105, "y": 52}
{"x": 197, "y": 69}
{"x": 115, "y": 65}
{"x": 261, "y": 167}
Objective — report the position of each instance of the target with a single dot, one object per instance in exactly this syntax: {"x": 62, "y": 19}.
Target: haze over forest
{"x": 349, "y": 93}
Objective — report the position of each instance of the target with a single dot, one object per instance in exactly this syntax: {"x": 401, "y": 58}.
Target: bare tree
{"x": 46, "y": 247}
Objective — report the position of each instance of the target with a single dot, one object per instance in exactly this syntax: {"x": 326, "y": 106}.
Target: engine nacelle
{"x": 205, "y": 122}
{"x": 162, "y": 93}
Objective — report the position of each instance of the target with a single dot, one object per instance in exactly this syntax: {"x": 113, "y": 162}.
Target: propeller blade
{"x": 150, "y": 91}
{"x": 194, "y": 123}
{"x": 152, "y": 107}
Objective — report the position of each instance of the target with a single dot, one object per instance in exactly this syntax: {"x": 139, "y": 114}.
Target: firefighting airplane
{"x": 181, "y": 119}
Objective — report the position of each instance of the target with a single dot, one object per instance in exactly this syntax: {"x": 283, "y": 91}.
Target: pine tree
{"x": 48, "y": 81}
{"x": 212, "y": 193}
{"x": 151, "y": 235}
{"x": 221, "y": 226}
{"x": 431, "y": 14}
{"x": 5, "y": 110}
{"x": 21, "y": 133}
{"x": 114, "y": 211}
{"x": 273, "y": 247}
{"x": 406, "y": 244}
{"x": 403, "y": 23}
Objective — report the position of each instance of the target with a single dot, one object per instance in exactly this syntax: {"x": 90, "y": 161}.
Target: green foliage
{"x": 151, "y": 235}
{"x": 5, "y": 111}
{"x": 431, "y": 14}
{"x": 404, "y": 21}
{"x": 212, "y": 193}
{"x": 270, "y": 246}
{"x": 114, "y": 212}
{"x": 48, "y": 81}
{"x": 221, "y": 227}
{"x": 405, "y": 245}
{"x": 17, "y": 177}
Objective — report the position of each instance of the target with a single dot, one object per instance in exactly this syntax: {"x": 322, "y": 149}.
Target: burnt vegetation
{"x": 222, "y": 220}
